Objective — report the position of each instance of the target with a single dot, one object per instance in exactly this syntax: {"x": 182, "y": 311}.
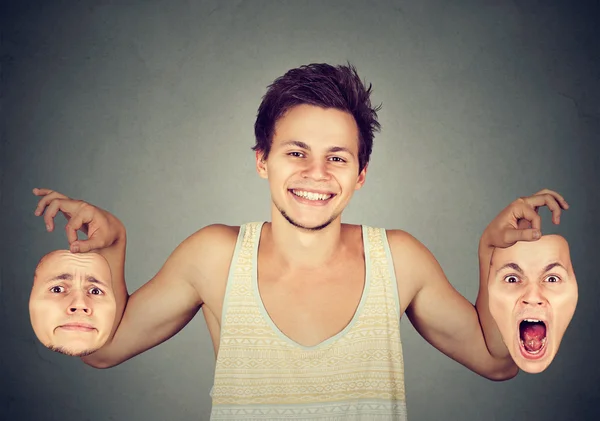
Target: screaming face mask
{"x": 532, "y": 297}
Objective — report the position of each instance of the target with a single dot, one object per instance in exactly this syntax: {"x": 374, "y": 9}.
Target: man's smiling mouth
{"x": 311, "y": 195}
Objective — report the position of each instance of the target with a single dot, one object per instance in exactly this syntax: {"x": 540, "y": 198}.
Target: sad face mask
{"x": 72, "y": 306}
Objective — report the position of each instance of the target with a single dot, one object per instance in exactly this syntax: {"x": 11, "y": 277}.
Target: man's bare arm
{"x": 165, "y": 304}
{"x": 441, "y": 315}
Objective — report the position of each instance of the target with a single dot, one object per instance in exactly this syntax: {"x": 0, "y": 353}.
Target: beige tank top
{"x": 358, "y": 374}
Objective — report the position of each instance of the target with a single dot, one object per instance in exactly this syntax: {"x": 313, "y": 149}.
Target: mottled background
{"x": 146, "y": 108}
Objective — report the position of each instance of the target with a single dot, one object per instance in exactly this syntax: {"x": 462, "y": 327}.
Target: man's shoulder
{"x": 213, "y": 236}
{"x": 404, "y": 245}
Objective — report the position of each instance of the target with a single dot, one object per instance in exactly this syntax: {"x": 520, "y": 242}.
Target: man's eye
{"x": 57, "y": 289}
{"x": 296, "y": 154}
{"x": 552, "y": 279}
{"x": 338, "y": 159}
{"x": 96, "y": 291}
{"x": 511, "y": 279}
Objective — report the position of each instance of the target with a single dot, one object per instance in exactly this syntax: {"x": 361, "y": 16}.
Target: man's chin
{"x": 532, "y": 364}
{"x": 307, "y": 225}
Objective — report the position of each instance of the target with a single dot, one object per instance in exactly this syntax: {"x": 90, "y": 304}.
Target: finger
{"x": 67, "y": 206}
{"x": 50, "y": 214}
{"x": 41, "y": 192}
{"x": 83, "y": 246}
{"x": 523, "y": 224}
{"x": 77, "y": 222}
{"x": 546, "y": 200}
{"x": 512, "y": 235}
{"x": 47, "y": 199}
{"x": 71, "y": 228}
{"x": 561, "y": 200}
{"x": 525, "y": 212}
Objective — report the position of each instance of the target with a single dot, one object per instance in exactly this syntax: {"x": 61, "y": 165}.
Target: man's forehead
{"x": 534, "y": 254}
{"x": 312, "y": 120}
{"x": 70, "y": 262}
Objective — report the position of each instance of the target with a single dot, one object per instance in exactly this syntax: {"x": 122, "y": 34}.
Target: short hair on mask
{"x": 325, "y": 86}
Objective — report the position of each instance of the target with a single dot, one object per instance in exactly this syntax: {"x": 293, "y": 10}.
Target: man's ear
{"x": 360, "y": 181}
{"x": 261, "y": 164}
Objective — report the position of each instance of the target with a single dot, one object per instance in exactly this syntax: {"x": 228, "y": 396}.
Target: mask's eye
{"x": 57, "y": 289}
{"x": 96, "y": 291}
{"x": 552, "y": 279}
{"x": 511, "y": 279}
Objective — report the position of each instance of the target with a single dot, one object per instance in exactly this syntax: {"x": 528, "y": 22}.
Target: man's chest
{"x": 311, "y": 307}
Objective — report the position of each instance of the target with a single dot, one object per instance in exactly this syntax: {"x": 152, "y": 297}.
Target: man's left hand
{"x": 520, "y": 221}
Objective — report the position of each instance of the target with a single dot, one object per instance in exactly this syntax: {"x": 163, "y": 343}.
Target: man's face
{"x": 313, "y": 165}
{"x": 532, "y": 298}
{"x": 72, "y": 306}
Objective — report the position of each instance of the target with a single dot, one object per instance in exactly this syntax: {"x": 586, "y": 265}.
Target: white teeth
{"x": 539, "y": 350}
{"x": 311, "y": 195}
{"x": 532, "y": 320}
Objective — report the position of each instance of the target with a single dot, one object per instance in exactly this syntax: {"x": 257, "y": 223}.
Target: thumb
{"x": 83, "y": 246}
{"x": 514, "y": 235}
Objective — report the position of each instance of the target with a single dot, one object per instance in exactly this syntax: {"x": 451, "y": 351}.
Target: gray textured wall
{"x": 146, "y": 108}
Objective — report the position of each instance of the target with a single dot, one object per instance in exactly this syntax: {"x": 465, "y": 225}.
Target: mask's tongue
{"x": 532, "y": 334}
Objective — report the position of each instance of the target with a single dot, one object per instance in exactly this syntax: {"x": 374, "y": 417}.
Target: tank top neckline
{"x": 271, "y": 323}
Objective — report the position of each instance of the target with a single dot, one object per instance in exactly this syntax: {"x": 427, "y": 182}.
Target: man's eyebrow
{"x": 335, "y": 149}
{"x": 512, "y": 266}
{"x": 516, "y": 267}
{"x": 61, "y": 277}
{"x": 303, "y": 145}
{"x": 296, "y": 143}
{"x": 552, "y": 266}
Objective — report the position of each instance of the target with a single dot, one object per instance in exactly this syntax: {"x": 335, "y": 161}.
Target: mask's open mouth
{"x": 532, "y": 333}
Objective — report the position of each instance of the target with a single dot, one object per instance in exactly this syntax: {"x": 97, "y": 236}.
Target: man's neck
{"x": 299, "y": 249}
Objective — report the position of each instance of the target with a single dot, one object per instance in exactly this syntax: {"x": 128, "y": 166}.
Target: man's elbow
{"x": 505, "y": 373}
{"x": 99, "y": 363}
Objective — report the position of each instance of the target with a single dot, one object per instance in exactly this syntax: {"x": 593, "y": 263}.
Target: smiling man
{"x": 72, "y": 306}
{"x": 304, "y": 311}
{"x": 533, "y": 295}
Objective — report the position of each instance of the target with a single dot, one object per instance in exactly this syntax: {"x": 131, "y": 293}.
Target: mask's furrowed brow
{"x": 69, "y": 277}
{"x": 552, "y": 266}
{"x": 94, "y": 280}
{"x": 61, "y": 277}
{"x": 512, "y": 266}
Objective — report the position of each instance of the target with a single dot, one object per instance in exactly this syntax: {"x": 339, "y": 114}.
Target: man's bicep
{"x": 164, "y": 305}
{"x": 441, "y": 315}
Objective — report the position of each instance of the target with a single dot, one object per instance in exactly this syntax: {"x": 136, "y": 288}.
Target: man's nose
{"x": 316, "y": 169}
{"x": 534, "y": 296}
{"x": 79, "y": 305}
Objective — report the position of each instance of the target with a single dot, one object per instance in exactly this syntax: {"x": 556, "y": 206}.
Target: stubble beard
{"x": 303, "y": 227}
{"x": 65, "y": 351}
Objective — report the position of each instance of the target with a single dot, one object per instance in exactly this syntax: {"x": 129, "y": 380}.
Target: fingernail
{"x": 48, "y": 227}
{"x": 75, "y": 248}
{"x": 536, "y": 235}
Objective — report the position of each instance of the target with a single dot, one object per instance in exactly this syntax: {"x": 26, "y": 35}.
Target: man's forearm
{"x": 115, "y": 256}
{"x": 493, "y": 338}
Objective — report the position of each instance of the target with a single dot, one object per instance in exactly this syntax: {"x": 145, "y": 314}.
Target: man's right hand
{"x": 101, "y": 227}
